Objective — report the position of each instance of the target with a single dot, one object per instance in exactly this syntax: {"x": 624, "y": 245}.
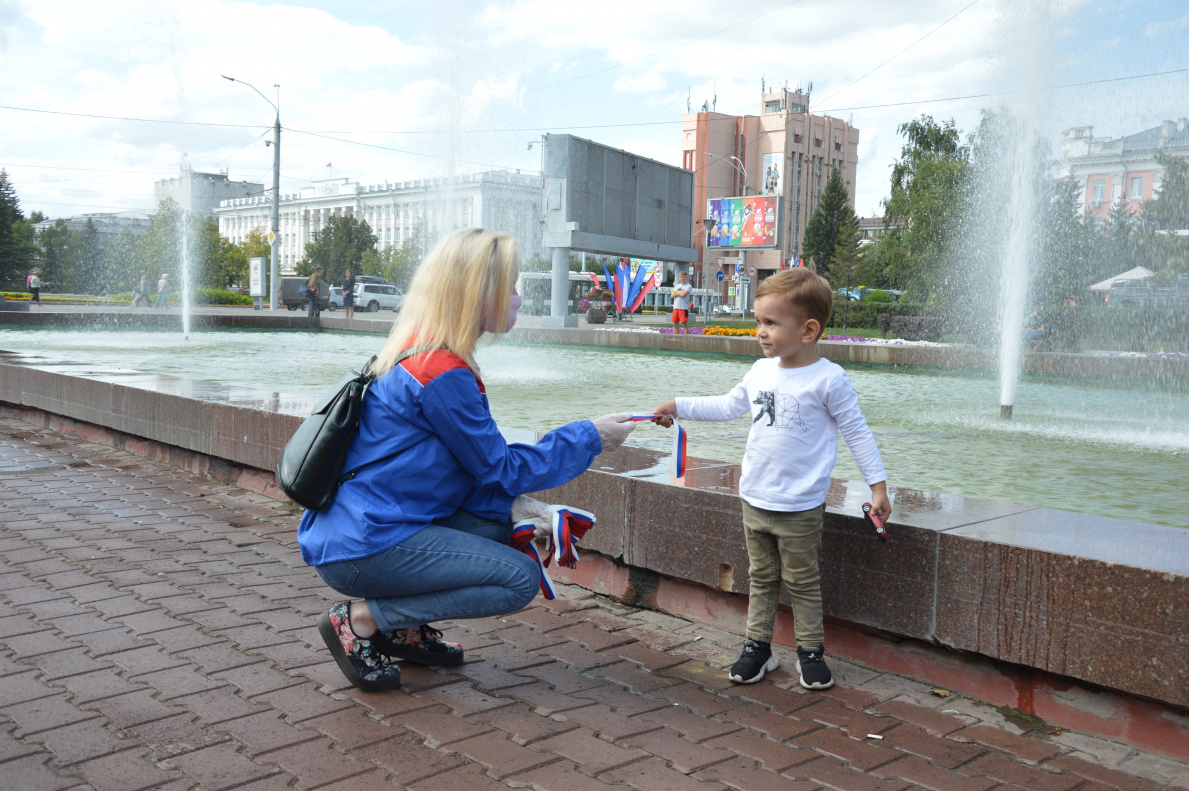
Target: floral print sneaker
{"x": 365, "y": 662}
{"x": 424, "y": 645}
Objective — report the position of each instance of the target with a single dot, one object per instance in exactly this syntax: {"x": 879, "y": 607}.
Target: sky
{"x": 393, "y": 90}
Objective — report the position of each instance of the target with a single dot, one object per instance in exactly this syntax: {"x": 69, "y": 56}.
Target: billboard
{"x": 609, "y": 201}
{"x": 773, "y": 176}
{"x": 256, "y": 277}
{"x": 653, "y": 269}
{"x": 747, "y": 223}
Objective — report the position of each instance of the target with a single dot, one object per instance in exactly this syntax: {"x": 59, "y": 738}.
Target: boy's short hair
{"x": 804, "y": 291}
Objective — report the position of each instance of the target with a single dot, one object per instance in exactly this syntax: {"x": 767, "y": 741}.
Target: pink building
{"x": 785, "y": 151}
{"x": 1123, "y": 169}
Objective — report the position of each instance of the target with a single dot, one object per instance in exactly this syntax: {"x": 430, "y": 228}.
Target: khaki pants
{"x": 784, "y": 545}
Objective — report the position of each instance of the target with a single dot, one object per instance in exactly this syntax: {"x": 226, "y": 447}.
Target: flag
{"x": 327, "y": 164}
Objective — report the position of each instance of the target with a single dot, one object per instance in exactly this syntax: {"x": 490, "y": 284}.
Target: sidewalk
{"x": 159, "y": 633}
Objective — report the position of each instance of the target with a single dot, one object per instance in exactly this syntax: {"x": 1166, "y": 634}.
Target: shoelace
{"x": 428, "y": 632}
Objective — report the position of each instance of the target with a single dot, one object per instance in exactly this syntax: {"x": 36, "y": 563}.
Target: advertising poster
{"x": 773, "y": 177}
{"x": 256, "y": 277}
{"x": 744, "y": 222}
{"x": 655, "y": 269}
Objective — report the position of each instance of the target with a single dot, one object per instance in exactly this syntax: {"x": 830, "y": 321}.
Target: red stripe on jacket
{"x": 427, "y": 367}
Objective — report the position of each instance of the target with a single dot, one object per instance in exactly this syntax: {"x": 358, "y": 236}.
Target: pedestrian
{"x": 140, "y": 294}
{"x": 1035, "y": 330}
{"x": 419, "y": 530}
{"x": 162, "y": 291}
{"x": 35, "y": 286}
{"x": 680, "y": 293}
{"x": 349, "y": 295}
{"x": 312, "y": 292}
{"x": 799, "y": 402}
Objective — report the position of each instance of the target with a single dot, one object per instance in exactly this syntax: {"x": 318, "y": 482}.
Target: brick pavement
{"x": 159, "y": 633}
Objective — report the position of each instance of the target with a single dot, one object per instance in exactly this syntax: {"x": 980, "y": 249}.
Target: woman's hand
{"x": 526, "y": 508}
{"x": 613, "y": 429}
{"x": 666, "y": 413}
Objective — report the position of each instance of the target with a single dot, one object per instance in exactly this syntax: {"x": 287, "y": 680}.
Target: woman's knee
{"x": 526, "y": 583}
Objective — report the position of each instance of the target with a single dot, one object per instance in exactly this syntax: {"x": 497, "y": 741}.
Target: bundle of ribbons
{"x": 567, "y": 526}
{"x": 628, "y": 290}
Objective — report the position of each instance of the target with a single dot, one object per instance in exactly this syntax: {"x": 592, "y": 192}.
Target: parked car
{"x": 370, "y": 279}
{"x": 291, "y": 296}
{"x": 373, "y": 296}
{"x": 335, "y": 300}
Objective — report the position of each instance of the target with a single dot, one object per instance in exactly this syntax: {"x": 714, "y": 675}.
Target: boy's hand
{"x": 879, "y": 499}
{"x": 666, "y": 413}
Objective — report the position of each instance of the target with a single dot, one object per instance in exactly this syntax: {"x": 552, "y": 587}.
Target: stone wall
{"x": 1095, "y": 599}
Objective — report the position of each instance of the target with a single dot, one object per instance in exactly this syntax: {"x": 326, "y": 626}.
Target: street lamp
{"x": 275, "y": 241}
{"x": 708, "y": 224}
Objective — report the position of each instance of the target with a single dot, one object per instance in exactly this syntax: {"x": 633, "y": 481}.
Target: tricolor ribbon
{"x": 522, "y": 539}
{"x": 677, "y": 463}
{"x": 568, "y": 526}
{"x": 638, "y": 418}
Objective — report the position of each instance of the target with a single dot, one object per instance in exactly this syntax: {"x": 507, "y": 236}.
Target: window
{"x": 837, "y": 146}
{"x": 796, "y": 137}
{"x": 1137, "y": 188}
{"x": 817, "y": 143}
{"x": 1099, "y": 193}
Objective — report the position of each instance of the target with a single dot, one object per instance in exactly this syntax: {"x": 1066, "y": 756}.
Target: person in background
{"x": 162, "y": 290}
{"x": 680, "y": 293}
{"x": 349, "y": 295}
{"x": 312, "y": 291}
{"x": 35, "y": 287}
{"x": 140, "y": 294}
{"x": 419, "y": 530}
{"x": 1035, "y": 331}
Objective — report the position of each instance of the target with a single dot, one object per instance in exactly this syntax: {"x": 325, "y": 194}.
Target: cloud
{"x": 1168, "y": 28}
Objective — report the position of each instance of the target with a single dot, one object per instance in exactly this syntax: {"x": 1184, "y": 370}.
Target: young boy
{"x": 798, "y": 402}
{"x": 680, "y": 294}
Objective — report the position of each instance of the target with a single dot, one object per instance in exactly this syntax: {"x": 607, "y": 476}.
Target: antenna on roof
{"x": 763, "y": 87}
{"x": 689, "y": 92}
{"x": 715, "y": 106}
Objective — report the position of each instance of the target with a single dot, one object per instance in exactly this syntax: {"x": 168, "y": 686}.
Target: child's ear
{"x": 813, "y": 330}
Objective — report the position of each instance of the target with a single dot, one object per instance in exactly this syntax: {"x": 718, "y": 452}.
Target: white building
{"x": 496, "y": 200}
{"x": 108, "y": 225}
{"x": 200, "y": 192}
{"x": 1120, "y": 170}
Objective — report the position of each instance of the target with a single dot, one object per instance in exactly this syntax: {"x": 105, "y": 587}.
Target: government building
{"x": 497, "y": 200}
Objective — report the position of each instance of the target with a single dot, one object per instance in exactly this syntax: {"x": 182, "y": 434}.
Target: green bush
{"x": 878, "y": 295}
{"x": 219, "y": 296}
{"x": 866, "y": 314}
{"x": 1131, "y": 329}
{"x": 15, "y": 295}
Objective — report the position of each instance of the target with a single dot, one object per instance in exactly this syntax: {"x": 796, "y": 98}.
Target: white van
{"x": 373, "y": 296}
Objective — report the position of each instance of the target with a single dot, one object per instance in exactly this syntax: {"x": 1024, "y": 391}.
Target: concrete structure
{"x": 1122, "y": 169}
{"x": 109, "y": 225}
{"x": 498, "y": 200}
{"x": 785, "y": 150}
{"x": 200, "y": 192}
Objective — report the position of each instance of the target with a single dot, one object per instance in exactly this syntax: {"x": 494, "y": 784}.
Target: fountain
{"x": 185, "y": 234}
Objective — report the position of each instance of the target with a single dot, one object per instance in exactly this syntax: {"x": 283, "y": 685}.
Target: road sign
{"x": 272, "y": 237}
{"x": 743, "y": 281}
{"x": 751, "y": 270}
{"x": 721, "y": 276}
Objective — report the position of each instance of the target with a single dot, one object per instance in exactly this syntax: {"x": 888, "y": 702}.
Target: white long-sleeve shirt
{"x": 793, "y": 445}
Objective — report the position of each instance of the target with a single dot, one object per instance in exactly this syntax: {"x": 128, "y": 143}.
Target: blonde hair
{"x": 804, "y": 291}
{"x": 462, "y": 286}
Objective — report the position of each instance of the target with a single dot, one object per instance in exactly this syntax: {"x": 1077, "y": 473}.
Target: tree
{"x": 846, "y": 265}
{"x": 16, "y": 236}
{"x": 57, "y": 253}
{"x": 340, "y": 246}
{"x": 88, "y": 272}
{"x": 833, "y": 212}
{"x": 1168, "y": 210}
{"x": 121, "y": 262}
{"x": 160, "y": 249}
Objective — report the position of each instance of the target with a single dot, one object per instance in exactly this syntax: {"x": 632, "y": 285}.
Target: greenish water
{"x": 1115, "y": 449}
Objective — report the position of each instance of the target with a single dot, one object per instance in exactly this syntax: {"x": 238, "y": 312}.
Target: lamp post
{"x": 275, "y": 241}
{"x": 737, "y": 163}
{"x": 708, "y": 224}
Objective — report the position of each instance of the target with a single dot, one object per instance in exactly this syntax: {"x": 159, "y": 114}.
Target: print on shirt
{"x": 783, "y": 411}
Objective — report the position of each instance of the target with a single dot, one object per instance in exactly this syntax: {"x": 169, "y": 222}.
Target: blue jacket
{"x": 432, "y": 412}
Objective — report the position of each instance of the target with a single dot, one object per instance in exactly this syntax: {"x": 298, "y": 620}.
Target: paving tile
{"x": 560, "y": 677}
{"x": 935, "y": 722}
{"x": 127, "y": 771}
{"x": 561, "y": 776}
{"x": 81, "y": 741}
{"x": 500, "y": 755}
{"x": 439, "y": 727}
{"x": 685, "y": 755}
{"x": 648, "y": 658}
{"x": 219, "y": 767}
{"x": 631, "y": 675}
{"x": 172, "y": 736}
{"x": 834, "y": 774}
{"x": 654, "y": 774}
{"x": 545, "y": 700}
{"x": 469, "y": 776}
{"x": 46, "y": 713}
{"x": 1002, "y": 768}
{"x": 315, "y": 764}
{"x": 264, "y": 732}
{"x": 774, "y": 756}
{"x": 856, "y": 723}
{"x": 488, "y": 677}
{"x": 743, "y": 774}
{"x": 702, "y": 674}
{"x": 256, "y": 679}
{"x": 408, "y": 759}
{"x": 302, "y": 702}
{"x": 94, "y": 686}
{"x": 350, "y": 729}
{"x": 217, "y": 705}
{"x": 698, "y": 699}
{"x": 540, "y": 619}
{"x": 944, "y": 753}
{"x": 132, "y": 709}
{"x": 685, "y": 722}
{"x": 179, "y": 681}
{"x": 1024, "y": 749}
{"x": 607, "y": 723}
{"x": 523, "y": 724}
{"x": 622, "y": 700}
{"x": 61, "y": 664}
{"x": 593, "y": 638}
{"x": 593, "y": 755}
{"x": 856, "y": 752}
{"x": 914, "y": 769}
{"x": 1102, "y": 774}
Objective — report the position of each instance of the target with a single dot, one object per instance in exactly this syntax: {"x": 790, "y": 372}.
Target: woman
{"x": 420, "y": 530}
{"x": 349, "y": 295}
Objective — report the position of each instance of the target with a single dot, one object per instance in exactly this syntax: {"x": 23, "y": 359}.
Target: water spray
{"x": 1005, "y": 411}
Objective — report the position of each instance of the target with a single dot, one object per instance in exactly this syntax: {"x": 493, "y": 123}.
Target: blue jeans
{"x": 458, "y": 567}
{"x": 162, "y": 302}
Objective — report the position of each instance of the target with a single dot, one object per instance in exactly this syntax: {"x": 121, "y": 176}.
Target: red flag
{"x": 595, "y": 278}
{"x": 644, "y": 289}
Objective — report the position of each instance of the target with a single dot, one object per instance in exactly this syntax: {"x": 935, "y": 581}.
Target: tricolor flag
{"x": 522, "y": 539}
{"x": 677, "y": 463}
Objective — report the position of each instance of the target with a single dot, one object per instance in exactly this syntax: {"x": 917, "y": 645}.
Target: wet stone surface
{"x": 158, "y": 632}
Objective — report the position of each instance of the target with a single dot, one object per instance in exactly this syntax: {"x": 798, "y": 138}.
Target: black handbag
{"x": 311, "y": 467}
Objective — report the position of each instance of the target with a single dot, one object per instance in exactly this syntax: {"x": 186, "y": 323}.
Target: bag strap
{"x": 369, "y": 377}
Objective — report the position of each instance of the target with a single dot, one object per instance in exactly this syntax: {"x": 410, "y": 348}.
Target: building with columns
{"x": 497, "y": 200}
{"x": 1122, "y": 170}
{"x": 785, "y": 150}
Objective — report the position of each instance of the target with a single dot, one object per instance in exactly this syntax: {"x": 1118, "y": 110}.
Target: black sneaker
{"x": 363, "y": 661}
{"x": 424, "y": 645}
{"x": 811, "y": 664}
{"x": 756, "y": 660}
